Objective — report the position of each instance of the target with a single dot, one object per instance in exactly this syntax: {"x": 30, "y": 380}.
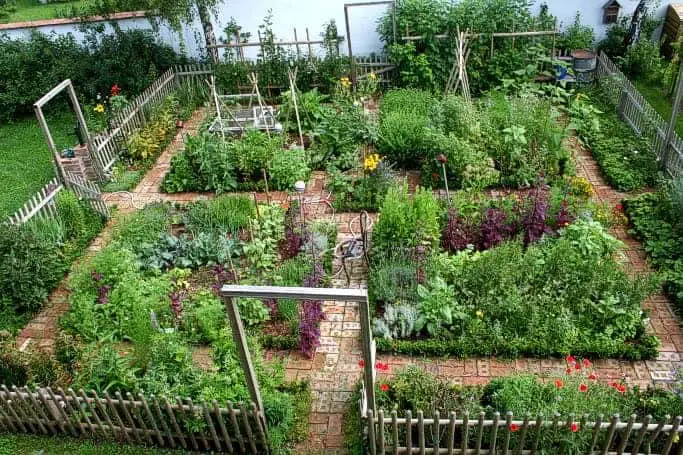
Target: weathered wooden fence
{"x": 462, "y": 434}
{"x": 379, "y": 65}
{"x": 640, "y": 115}
{"x": 41, "y": 204}
{"x": 136, "y": 419}
{"x": 136, "y": 115}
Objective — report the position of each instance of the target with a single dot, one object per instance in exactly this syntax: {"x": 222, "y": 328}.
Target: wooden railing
{"x": 134, "y": 419}
{"x": 462, "y": 434}
{"x": 640, "y": 115}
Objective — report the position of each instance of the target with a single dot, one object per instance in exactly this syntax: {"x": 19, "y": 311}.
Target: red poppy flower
{"x": 621, "y": 388}
{"x": 570, "y": 359}
{"x": 586, "y": 363}
{"x": 583, "y": 388}
{"x": 574, "y": 427}
{"x": 559, "y": 384}
{"x": 619, "y": 207}
{"x": 514, "y": 427}
{"x": 361, "y": 363}
{"x": 577, "y": 366}
{"x": 384, "y": 387}
{"x": 614, "y": 384}
{"x": 593, "y": 377}
{"x": 568, "y": 371}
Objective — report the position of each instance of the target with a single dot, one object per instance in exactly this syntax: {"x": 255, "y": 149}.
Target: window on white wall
{"x": 611, "y": 12}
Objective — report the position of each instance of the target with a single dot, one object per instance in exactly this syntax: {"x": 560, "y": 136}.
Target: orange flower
{"x": 559, "y": 384}
{"x": 583, "y": 388}
{"x": 574, "y": 427}
{"x": 384, "y": 387}
{"x": 514, "y": 427}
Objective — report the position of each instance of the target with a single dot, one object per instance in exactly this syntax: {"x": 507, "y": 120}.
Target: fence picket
{"x": 371, "y": 433}
{"x": 174, "y": 422}
{"x": 641, "y": 435}
{"x": 181, "y": 407}
{"x": 494, "y": 432}
{"x": 236, "y": 426}
{"x": 436, "y": 430}
{"x": 247, "y": 428}
{"x": 421, "y": 431}
{"x": 394, "y": 431}
{"x": 41, "y": 409}
{"x": 5, "y": 399}
{"x": 138, "y": 416}
{"x": 409, "y": 431}
{"x": 626, "y": 435}
{"x": 212, "y": 427}
{"x": 465, "y": 432}
{"x": 596, "y": 432}
{"x": 26, "y": 411}
{"x": 129, "y": 417}
{"x": 221, "y": 425}
{"x": 380, "y": 431}
{"x": 123, "y": 434}
{"x": 672, "y": 435}
{"x": 610, "y": 434}
{"x": 163, "y": 421}
{"x": 508, "y": 422}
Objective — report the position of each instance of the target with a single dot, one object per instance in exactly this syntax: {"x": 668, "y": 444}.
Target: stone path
{"x": 334, "y": 372}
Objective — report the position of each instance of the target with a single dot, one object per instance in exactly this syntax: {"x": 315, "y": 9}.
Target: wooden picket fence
{"x": 41, "y": 204}
{"x": 459, "y": 434}
{"x": 136, "y": 419}
{"x": 640, "y": 115}
{"x": 379, "y": 65}
{"x": 136, "y": 115}
{"x": 87, "y": 191}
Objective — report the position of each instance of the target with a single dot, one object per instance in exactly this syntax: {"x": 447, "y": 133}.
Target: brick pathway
{"x": 334, "y": 371}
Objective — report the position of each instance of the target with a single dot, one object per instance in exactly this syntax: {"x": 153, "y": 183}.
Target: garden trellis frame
{"x": 231, "y": 292}
{"x": 82, "y": 125}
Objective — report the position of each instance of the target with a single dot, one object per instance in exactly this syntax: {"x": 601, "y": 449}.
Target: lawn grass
{"x": 58, "y": 445}
{"x": 659, "y": 101}
{"x": 33, "y": 10}
{"x": 25, "y": 160}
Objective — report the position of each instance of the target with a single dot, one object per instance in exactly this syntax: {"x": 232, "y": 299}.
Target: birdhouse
{"x": 611, "y": 12}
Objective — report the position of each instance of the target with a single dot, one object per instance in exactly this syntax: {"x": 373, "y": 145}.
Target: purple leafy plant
{"x": 495, "y": 228}
{"x": 312, "y": 314}
{"x": 176, "y": 304}
{"x": 222, "y": 276}
{"x": 102, "y": 289}
{"x": 534, "y": 219}
{"x": 291, "y": 245}
{"x": 458, "y": 233}
{"x": 563, "y": 217}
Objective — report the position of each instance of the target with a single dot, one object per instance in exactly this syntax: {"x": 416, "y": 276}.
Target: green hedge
{"x": 645, "y": 349}
{"x": 132, "y": 59}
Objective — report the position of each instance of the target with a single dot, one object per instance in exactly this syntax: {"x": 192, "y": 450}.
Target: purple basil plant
{"x": 495, "y": 228}
{"x": 458, "y": 233}
{"x": 312, "y": 314}
{"x": 535, "y": 218}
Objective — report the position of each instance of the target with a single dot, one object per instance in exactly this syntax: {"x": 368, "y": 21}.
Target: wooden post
{"x": 310, "y": 51}
{"x": 348, "y": 42}
{"x": 240, "y": 337}
{"x": 99, "y": 170}
{"x": 298, "y": 49}
{"x": 672, "y": 122}
{"x": 368, "y": 353}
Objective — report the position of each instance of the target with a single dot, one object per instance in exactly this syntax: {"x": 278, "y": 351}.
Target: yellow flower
{"x": 99, "y": 108}
{"x": 371, "y": 161}
{"x": 480, "y": 314}
{"x": 372, "y": 76}
{"x": 676, "y": 438}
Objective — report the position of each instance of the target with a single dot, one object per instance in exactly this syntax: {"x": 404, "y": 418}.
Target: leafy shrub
{"x": 223, "y": 214}
{"x": 204, "y": 249}
{"x": 81, "y": 223}
{"x": 253, "y": 153}
{"x": 406, "y": 223}
{"x": 418, "y": 102}
{"x": 146, "y": 144}
{"x": 288, "y": 166}
{"x": 30, "y": 267}
{"x": 626, "y": 160}
{"x": 142, "y": 226}
{"x": 656, "y": 223}
{"x": 133, "y": 59}
{"x": 404, "y": 138}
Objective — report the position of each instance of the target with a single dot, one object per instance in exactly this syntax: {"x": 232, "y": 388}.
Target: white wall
{"x": 591, "y": 11}
{"x": 313, "y": 14}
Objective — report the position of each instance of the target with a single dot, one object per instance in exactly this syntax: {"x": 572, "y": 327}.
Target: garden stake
{"x": 258, "y": 214}
{"x": 265, "y": 179}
